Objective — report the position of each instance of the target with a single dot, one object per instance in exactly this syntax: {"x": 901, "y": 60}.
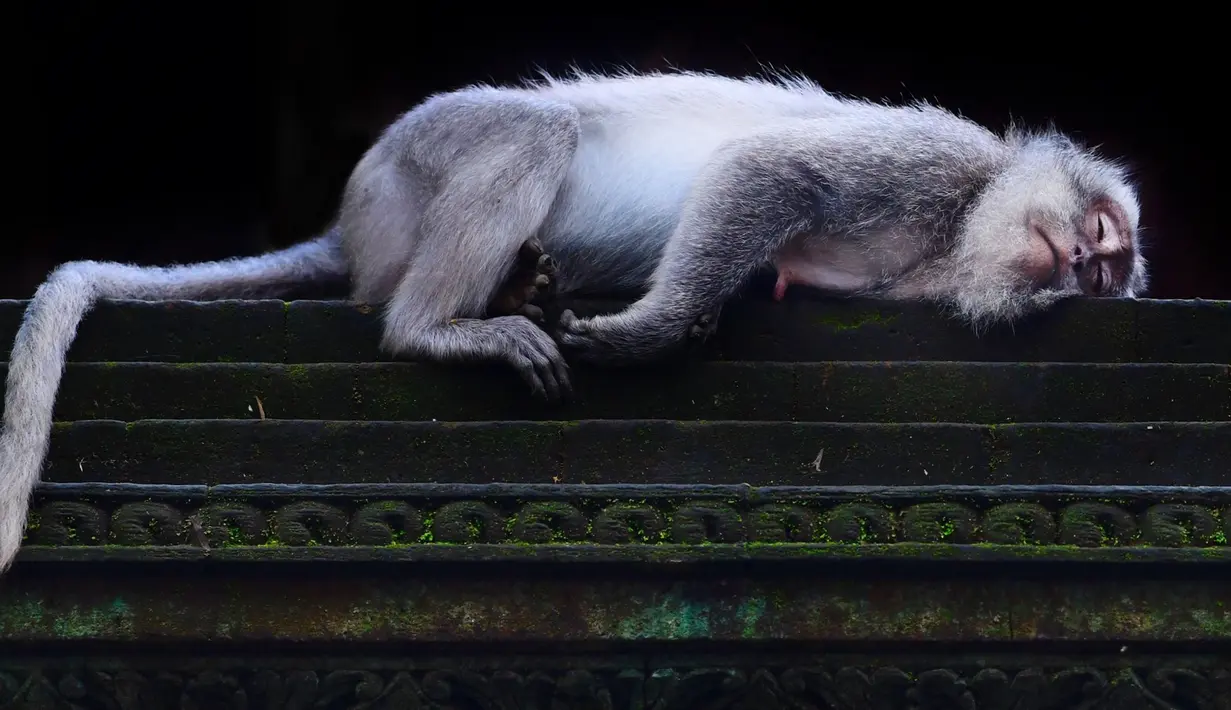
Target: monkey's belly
{"x": 835, "y": 276}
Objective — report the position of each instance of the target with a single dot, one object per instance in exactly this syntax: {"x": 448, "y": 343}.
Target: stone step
{"x": 402, "y": 535}
{"x": 801, "y": 329}
{"x": 639, "y": 452}
{"x": 987, "y": 393}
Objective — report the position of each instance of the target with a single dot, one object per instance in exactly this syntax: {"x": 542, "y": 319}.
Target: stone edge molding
{"x": 1197, "y": 684}
{"x": 526, "y": 522}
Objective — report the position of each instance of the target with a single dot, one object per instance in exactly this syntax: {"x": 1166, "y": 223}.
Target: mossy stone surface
{"x": 235, "y": 477}
{"x": 643, "y": 452}
{"x": 444, "y": 608}
{"x": 982, "y": 393}
{"x": 800, "y": 329}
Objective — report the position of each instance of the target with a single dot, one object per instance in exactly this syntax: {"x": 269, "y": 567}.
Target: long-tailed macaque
{"x": 678, "y": 186}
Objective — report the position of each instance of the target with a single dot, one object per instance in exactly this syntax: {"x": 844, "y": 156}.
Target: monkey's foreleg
{"x": 743, "y": 209}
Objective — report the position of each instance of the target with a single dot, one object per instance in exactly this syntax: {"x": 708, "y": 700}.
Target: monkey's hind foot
{"x": 704, "y": 327}
{"x": 531, "y": 279}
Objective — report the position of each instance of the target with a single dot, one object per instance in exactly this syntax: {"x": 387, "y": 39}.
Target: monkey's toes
{"x": 704, "y": 327}
{"x": 540, "y": 285}
{"x": 545, "y": 276}
{"x": 530, "y": 253}
{"x": 546, "y": 265}
{"x": 528, "y": 282}
{"x": 531, "y": 311}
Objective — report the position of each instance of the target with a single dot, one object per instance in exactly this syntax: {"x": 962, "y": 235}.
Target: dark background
{"x": 162, "y": 132}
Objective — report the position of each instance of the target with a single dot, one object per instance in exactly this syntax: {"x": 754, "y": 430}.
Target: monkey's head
{"x": 1056, "y": 221}
{"x": 1082, "y": 225}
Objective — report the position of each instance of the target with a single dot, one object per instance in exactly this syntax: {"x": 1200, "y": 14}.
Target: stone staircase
{"x": 838, "y": 505}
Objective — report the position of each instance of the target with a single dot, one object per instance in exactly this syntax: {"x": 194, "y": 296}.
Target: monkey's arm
{"x": 753, "y": 197}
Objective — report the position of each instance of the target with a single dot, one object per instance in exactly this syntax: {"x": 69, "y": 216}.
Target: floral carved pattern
{"x": 578, "y": 519}
{"x": 847, "y": 688}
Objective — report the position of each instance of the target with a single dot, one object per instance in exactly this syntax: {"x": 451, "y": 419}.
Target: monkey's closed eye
{"x": 1098, "y": 276}
{"x": 1100, "y": 228}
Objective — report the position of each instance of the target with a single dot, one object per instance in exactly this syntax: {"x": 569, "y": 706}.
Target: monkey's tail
{"x": 50, "y": 325}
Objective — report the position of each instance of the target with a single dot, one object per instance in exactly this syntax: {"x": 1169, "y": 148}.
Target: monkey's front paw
{"x": 619, "y": 339}
{"x": 535, "y": 356}
{"x": 583, "y": 338}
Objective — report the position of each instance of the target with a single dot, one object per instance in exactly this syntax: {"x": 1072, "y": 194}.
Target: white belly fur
{"x": 630, "y": 181}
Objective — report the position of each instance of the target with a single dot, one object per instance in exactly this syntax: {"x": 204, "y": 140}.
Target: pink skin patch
{"x": 780, "y": 286}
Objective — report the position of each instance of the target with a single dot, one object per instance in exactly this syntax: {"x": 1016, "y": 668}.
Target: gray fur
{"x": 50, "y": 324}
{"x": 678, "y": 186}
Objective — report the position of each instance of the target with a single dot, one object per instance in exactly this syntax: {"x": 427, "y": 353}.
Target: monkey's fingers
{"x": 525, "y": 367}
{"x": 569, "y": 322}
{"x": 561, "y": 371}
{"x": 553, "y": 371}
{"x": 547, "y": 375}
{"x": 538, "y": 360}
{"x": 574, "y": 334}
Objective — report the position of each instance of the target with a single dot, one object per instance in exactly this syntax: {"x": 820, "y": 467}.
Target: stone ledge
{"x": 800, "y": 329}
{"x": 986, "y": 393}
{"x": 644, "y": 452}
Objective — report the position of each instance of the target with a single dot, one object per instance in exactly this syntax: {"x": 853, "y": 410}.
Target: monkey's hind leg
{"x": 504, "y": 158}
{"x": 531, "y": 279}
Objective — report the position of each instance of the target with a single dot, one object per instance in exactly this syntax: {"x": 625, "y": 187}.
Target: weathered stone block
{"x": 976, "y": 392}
{"x": 851, "y": 505}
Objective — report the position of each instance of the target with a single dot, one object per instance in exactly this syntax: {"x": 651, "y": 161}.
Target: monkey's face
{"x": 1094, "y": 254}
